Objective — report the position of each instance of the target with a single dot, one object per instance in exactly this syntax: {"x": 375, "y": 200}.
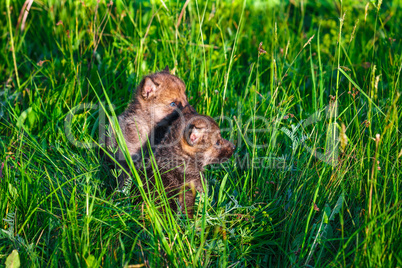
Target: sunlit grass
{"x": 313, "y": 76}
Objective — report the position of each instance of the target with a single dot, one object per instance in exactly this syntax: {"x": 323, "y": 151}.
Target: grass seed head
{"x": 309, "y": 41}
{"x": 343, "y": 138}
{"x": 366, "y": 12}
{"x": 353, "y": 32}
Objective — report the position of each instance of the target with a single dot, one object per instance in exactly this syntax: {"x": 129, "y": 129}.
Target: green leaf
{"x": 23, "y": 117}
{"x": 91, "y": 261}
{"x": 12, "y": 190}
{"x": 329, "y": 232}
{"x": 31, "y": 118}
{"x": 220, "y": 196}
{"x": 297, "y": 242}
{"x": 28, "y": 116}
{"x": 327, "y": 213}
{"x": 13, "y": 260}
{"x": 338, "y": 206}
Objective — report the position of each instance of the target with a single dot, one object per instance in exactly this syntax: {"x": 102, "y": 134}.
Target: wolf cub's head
{"x": 162, "y": 95}
{"x": 201, "y": 139}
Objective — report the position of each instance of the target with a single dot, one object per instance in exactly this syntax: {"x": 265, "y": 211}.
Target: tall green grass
{"x": 251, "y": 65}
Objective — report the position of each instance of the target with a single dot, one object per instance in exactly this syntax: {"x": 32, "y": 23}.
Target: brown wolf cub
{"x": 157, "y": 103}
{"x": 192, "y": 142}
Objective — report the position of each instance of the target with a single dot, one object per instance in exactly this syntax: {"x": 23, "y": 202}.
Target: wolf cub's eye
{"x": 173, "y": 104}
{"x": 218, "y": 143}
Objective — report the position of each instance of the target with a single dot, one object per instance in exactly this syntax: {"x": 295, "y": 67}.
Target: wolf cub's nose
{"x": 232, "y": 146}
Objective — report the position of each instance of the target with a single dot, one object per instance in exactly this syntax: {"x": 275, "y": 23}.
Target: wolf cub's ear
{"x": 193, "y": 135}
{"x": 166, "y": 70}
{"x": 148, "y": 88}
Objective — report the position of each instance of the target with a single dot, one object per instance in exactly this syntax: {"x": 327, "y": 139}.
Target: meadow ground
{"x": 309, "y": 91}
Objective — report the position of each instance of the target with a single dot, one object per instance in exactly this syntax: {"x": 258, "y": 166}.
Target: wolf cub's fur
{"x": 192, "y": 142}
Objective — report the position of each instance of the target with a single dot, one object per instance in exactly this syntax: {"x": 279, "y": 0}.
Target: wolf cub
{"x": 158, "y": 101}
{"x": 192, "y": 142}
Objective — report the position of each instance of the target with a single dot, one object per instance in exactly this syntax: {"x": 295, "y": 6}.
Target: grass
{"x": 59, "y": 205}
